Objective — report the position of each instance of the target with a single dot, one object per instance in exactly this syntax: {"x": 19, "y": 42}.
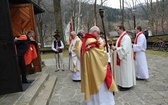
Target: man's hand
{"x": 31, "y": 39}
{"x": 15, "y": 39}
{"x": 73, "y": 49}
{"x": 113, "y": 47}
{"x": 58, "y": 48}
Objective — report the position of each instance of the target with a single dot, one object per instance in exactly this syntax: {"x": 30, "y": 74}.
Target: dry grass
{"x": 65, "y": 54}
{"x": 157, "y": 53}
{"x": 51, "y": 55}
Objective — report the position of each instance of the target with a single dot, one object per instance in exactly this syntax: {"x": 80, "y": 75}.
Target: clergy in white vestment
{"x": 74, "y": 50}
{"x": 97, "y": 81}
{"x": 124, "y": 68}
{"x": 139, "y": 49}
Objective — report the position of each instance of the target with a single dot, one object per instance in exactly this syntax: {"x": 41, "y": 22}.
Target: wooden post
{"x": 9, "y": 70}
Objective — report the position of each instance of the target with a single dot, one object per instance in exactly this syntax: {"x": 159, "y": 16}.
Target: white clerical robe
{"x": 125, "y": 73}
{"x": 75, "y": 61}
{"x": 102, "y": 97}
{"x": 140, "y": 58}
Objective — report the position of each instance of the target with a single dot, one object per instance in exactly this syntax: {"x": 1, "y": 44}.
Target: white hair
{"x": 82, "y": 31}
{"x": 94, "y": 28}
{"x": 73, "y": 32}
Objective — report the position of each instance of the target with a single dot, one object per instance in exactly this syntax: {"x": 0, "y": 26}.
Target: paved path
{"x": 151, "y": 92}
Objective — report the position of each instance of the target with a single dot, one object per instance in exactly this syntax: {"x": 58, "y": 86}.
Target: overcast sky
{"x": 116, "y": 3}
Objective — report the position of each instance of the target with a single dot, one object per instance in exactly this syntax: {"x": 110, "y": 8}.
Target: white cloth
{"x": 141, "y": 62}
{"x": 125, "y": 73}
{"x": 109, "y": 57}
{"x": 101, "y": 41}
{"x": 75, "y": 61}
{"x": 71, "y": 48}
{"x": 102, "y": 97}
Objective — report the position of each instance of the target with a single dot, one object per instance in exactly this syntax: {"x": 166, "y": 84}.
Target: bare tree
{"x": 73, "y": 10}
{"x": 150, "y": 11}
{"x": 122, "y": 11}
{"x": 102, "y": 2}
{"x": 163, "y": 15}
{"x": 129, "y": 15}
{"x": 47, "y": 23}
{"x": 39, "y": 23}
{"x": 95, "y": 12}
{"x": 79, "y": 16}
{"x": 95, "y": 9}
{"x": 58, "y": 18}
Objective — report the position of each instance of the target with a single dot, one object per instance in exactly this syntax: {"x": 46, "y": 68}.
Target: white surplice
{"x": 75, "y": 61}
{"x": 140, "y": 62}
{"x": 102, "y": 97}
{"x": 125, "y": 73}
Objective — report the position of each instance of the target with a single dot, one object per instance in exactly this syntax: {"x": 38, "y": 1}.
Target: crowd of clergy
{"x": 104, "y": 68}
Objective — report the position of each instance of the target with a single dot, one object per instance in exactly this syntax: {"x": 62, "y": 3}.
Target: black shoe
{"x": 62, "y": 69}
{"x": 26, "y": 81}
{"x": 140, "y": 79}
{"x": 56, "y": 70}
{"x": 123, "y": 88}
{"x": 77, "y": 80}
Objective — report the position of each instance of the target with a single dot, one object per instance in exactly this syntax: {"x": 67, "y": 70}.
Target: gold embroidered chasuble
{"x": 94, "y": 63}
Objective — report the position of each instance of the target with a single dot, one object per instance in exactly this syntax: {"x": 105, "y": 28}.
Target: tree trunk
{"x": 163, "y": 17}
{"x": 120, "y": 9}
{"x": 79, "y": 16}
{"x": 73, "y": 9}
{"x": 122, "y": 13}
{"x": 95, "y": 12}
{"x": 151, "y": 16}
{"x": 58, "y": 18}
{"x": 157, "y": 16}
{"x": 39, "y": 27}
{"x": 40, "y": 30}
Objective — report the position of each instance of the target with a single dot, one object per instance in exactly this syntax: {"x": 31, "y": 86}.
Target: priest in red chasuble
{"x": 96, "y": 78}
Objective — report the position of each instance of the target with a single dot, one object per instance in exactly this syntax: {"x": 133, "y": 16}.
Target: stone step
{"x": 13, "y": 97}
{"x": 29, "y": 95}
{"x": 46, "y": 93}
{"x": 4, "y": 100}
